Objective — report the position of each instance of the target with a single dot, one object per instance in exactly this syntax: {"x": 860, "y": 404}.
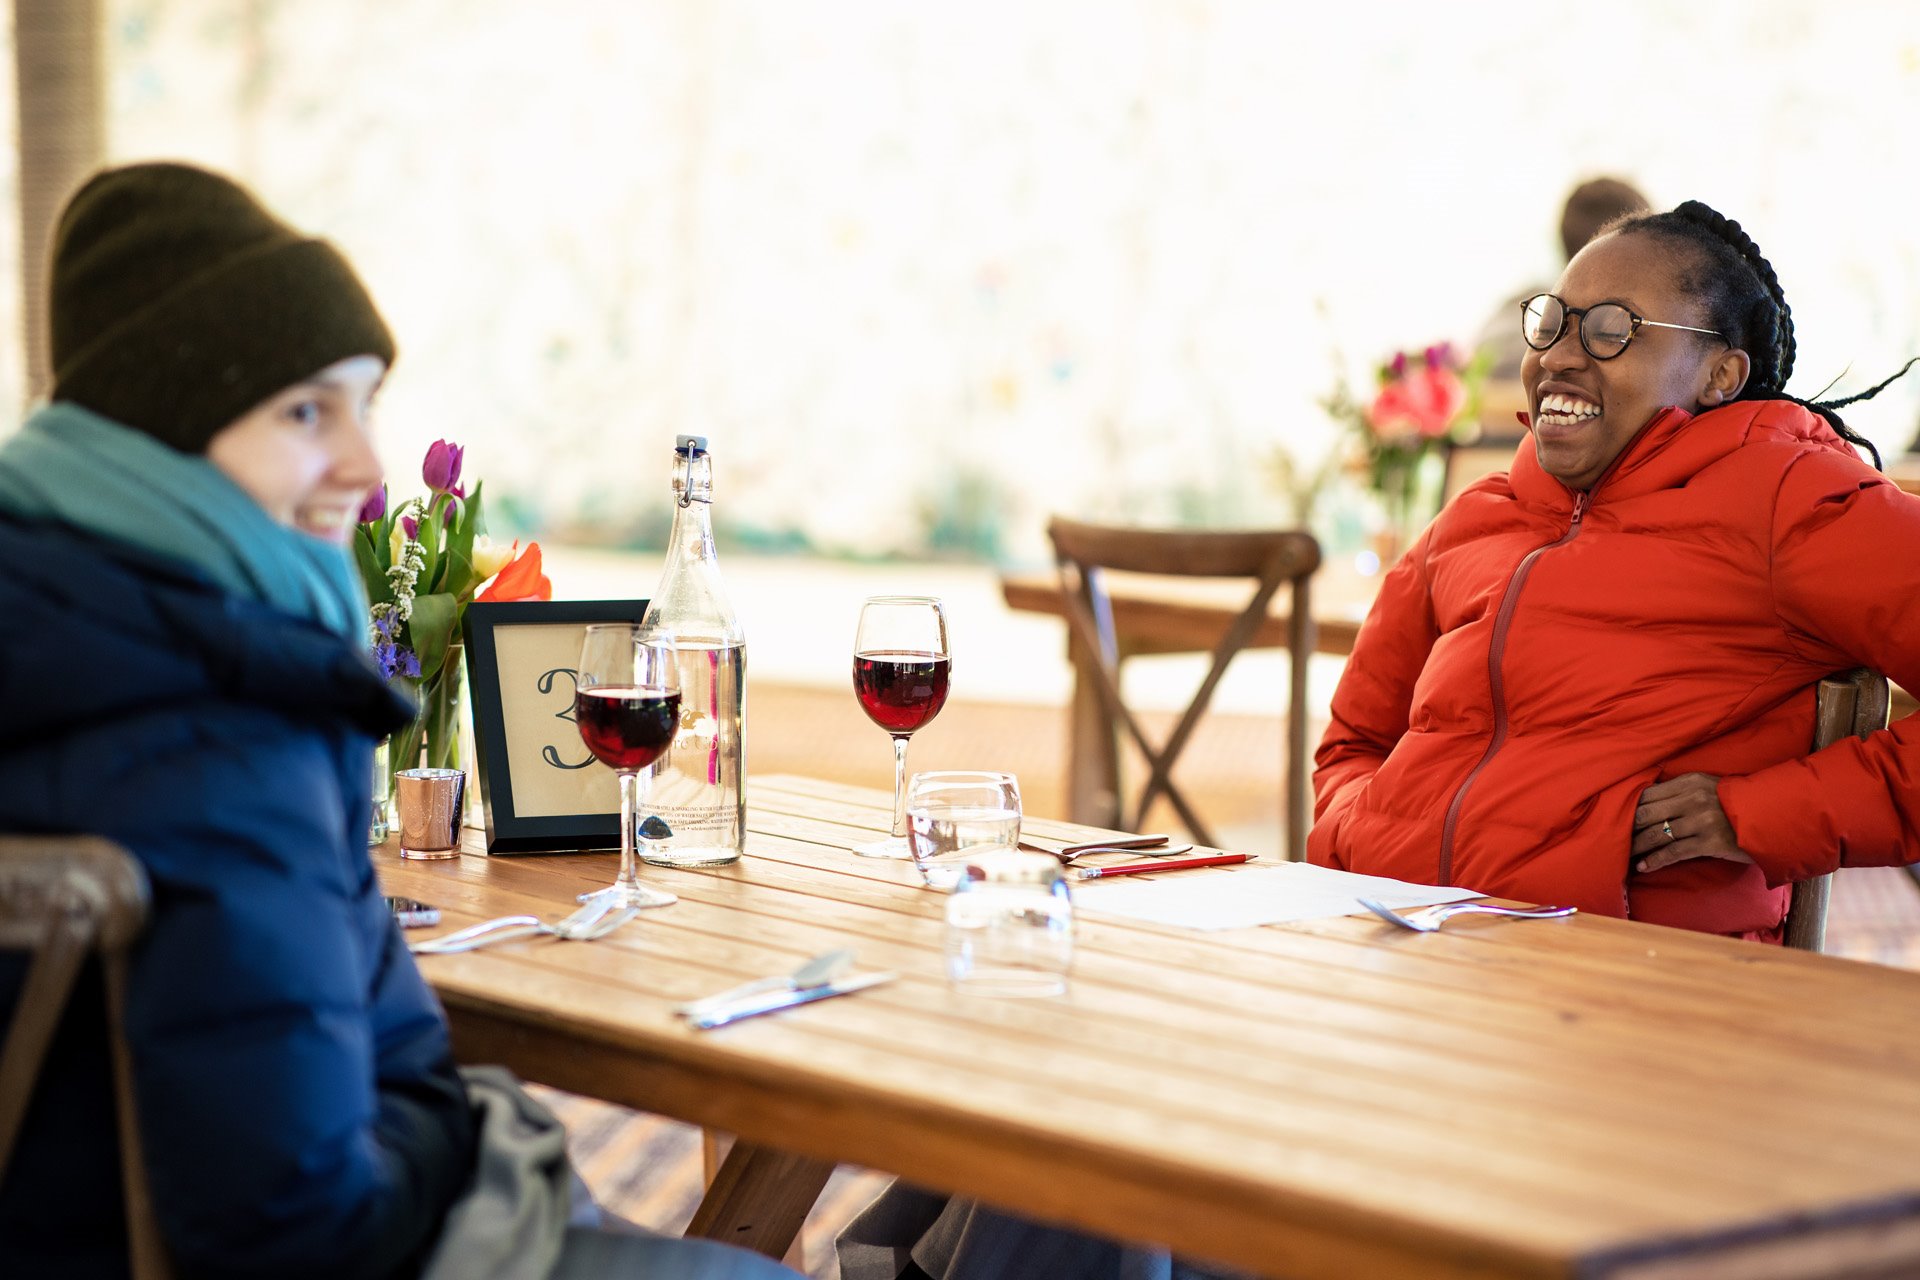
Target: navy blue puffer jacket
{"x": 299, "y": 1106}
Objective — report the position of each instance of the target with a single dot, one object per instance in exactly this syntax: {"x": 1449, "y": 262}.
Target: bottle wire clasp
{"x": 686, "y": 490}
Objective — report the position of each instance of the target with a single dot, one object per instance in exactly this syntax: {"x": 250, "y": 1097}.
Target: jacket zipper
{"x": 1496, "y": 648}
{"x": 1496, "y": 651}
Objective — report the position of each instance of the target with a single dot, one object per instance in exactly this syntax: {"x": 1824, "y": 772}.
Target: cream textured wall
{"x": 908, "y": 263}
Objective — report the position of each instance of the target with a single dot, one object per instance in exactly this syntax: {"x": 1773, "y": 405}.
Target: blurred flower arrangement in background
{"x": 423, "y": 562}
{"x": 1422, "y": 401}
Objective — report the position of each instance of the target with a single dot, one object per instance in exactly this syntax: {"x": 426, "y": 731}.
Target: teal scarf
{"x": 71, "y": 466}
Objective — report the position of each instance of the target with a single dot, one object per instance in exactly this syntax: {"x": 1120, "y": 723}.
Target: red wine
{"x": 900, "y": 691}
{"x": 626, "y": 726}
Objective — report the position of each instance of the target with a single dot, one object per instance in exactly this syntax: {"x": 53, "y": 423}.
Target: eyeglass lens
{"x": 1605, "y": 329}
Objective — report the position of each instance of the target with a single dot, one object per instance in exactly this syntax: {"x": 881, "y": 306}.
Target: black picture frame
{"x": 509, "y": 829}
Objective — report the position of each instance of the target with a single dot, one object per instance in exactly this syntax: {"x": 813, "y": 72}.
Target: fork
{"x": 1433, "y": 917}
{"x": 1144, "y": 846}
{"x": 589, "y": 922}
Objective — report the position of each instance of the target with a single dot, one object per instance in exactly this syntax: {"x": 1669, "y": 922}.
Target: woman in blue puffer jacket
{"x": 183, "y": 671}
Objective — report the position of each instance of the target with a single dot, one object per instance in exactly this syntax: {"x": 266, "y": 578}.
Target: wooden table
{"x": 1174, "y": 615}
{"x": 1587, "y": 1097}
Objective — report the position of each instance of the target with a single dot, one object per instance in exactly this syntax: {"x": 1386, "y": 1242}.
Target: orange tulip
{"x": 521, "y": 579}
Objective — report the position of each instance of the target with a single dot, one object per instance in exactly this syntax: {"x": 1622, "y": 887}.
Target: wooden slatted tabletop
{"x": 1587, "y": 1097}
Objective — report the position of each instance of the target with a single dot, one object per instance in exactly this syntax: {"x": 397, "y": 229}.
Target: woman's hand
{"x": 1681, "y": 818}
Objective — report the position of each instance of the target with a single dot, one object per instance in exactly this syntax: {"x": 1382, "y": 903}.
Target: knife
{"x": 816, "y": 972}
{"x": 772, "y": 1001}
{"x": 1143, "y": 868}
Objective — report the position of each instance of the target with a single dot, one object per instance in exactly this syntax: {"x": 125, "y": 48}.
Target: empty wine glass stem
{"x": 629, "y": 815}
{"x": 900, "y": 787}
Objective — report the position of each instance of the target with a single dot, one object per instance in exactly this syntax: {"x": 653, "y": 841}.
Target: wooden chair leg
{"x": 760, "y": 1199}
{"x": 1093, "y": 747}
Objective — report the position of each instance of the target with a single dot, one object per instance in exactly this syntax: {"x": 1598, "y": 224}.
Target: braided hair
{"x": 1745, "y": 303}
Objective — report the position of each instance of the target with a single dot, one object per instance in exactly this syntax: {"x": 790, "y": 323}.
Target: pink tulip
{"x": 375, "y": 506}
{"x": 441, "y": 470}
{"x": 1424, "y": 403}
{"x": 412, "y": 527}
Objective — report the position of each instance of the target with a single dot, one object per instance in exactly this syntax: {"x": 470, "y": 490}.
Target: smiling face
{"x": 1585, "y": 411}
{"x": 305, "y": 454}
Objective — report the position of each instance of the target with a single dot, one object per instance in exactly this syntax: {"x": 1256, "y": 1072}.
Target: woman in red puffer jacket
{"x": 1591, "y": 680}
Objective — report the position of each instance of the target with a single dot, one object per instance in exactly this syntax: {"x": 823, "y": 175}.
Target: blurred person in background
{"x": 1590, "y": 206}
{"x": 184, "y": 670}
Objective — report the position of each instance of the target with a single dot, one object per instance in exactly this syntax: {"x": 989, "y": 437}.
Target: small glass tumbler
{"x": 427, "y": 807}
{"x": 953, "y": 816}
{"x": 1010, "y": 926}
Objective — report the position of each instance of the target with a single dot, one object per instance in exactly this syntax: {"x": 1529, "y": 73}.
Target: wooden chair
{"x": 1269, "y": 558}
{"x": 62, "y": 899}
{"x": 1849, "y": 704}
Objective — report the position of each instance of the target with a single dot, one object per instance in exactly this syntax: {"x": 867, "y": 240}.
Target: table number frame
{"x": 505, "y": 713}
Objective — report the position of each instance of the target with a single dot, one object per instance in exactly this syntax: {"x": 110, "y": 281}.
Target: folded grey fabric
{"x": 513, "y": 1220}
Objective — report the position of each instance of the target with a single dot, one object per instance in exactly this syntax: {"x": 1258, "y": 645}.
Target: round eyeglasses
{"x": 1605, "y": 328}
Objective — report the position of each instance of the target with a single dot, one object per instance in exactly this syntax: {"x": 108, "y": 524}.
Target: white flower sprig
{"x": 409, "y": 559}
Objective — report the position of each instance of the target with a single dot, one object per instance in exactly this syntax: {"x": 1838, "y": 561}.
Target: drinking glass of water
{"x": 1010, "y": 925}
{"x": 952, "y": 816}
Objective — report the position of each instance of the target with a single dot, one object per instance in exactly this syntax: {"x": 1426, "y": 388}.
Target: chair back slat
{"x": 1269, "y": 558}
{"x": 1851, "y": 704}
{"x": 1189, "y": 553}
{"x": 63, "y": 898}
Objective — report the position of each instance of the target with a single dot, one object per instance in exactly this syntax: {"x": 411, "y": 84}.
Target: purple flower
{"x": 1399, "y": 365}
{"x": 412, "y": 527}
{"x": 375, "y": 506}
{"x": 441, "y": 470}
{"x": 383, "y": 623}
{"x": 396, "y": 660}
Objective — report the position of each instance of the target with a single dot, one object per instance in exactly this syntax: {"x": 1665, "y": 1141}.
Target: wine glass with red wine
{"x": 900, "y": 668}
{"x": 626, "y": 704}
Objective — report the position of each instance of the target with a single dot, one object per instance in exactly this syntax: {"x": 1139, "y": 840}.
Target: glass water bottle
{"x": 698, "y": 789}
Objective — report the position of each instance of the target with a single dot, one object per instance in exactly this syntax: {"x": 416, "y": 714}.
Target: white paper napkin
{"x": 1252, "y": 894}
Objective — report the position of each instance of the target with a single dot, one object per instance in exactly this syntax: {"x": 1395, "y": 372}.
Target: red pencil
{"x": 1164, "y": 864}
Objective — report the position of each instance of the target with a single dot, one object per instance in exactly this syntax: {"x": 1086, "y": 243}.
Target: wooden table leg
{"x": 714, "y": 1146}
{"x": 760, "y": 1198}
{"x": 1093, "y": 747}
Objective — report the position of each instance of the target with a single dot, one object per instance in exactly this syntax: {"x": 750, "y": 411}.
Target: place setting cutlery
{"x": 1429, "y": 919}
{"x": 1152, "y": 846}
{"x": 594, "y": 920}
{"x": 818, "y": 978}
{"x": 1152, "y": 868}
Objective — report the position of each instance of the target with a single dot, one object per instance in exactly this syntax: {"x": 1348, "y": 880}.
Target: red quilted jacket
{"x": 1540, "y": 656}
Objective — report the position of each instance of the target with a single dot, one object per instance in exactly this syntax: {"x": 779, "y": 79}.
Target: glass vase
{"x": 1407, "y": 494}
{"x": 381, "y": 824}
{"x": 441, "y": 735}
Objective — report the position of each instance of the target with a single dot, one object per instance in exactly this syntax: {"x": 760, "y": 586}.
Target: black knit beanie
{"x": 178, "y": 303}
